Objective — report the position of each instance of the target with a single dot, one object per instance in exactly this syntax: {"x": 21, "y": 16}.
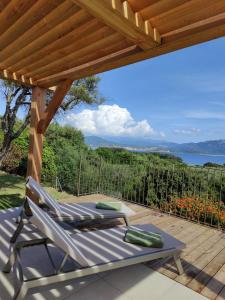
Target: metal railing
{"x": 197, "y": 194}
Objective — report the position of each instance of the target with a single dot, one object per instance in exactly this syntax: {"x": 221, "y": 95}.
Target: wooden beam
{"x": 53, "y": 106}
{"x": 208, "y": 31}
{"x": 36, "y": 139}
{"x": 7, "y": 75}
{"x": 20, "y": 79}
{"x": 120, "y": 19}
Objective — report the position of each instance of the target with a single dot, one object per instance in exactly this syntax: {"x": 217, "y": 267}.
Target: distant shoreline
{"x": 169, "y": 152}
{"x": 196, "y": 153}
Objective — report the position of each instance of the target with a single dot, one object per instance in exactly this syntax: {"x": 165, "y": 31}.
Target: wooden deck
{"x": 203, "y": 259}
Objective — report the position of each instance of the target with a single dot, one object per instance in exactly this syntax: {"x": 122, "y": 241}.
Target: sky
{"x": 178, "y": 97}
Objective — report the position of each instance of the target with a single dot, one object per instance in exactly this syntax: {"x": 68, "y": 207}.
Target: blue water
{"x": 200, "y": 159}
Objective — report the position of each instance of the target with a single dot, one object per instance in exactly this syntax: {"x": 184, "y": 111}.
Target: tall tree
{"x": 18, "y": 97}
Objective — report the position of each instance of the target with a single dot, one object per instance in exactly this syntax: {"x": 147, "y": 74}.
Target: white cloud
{"x": 190, "y": 131}
{"x": 205, "y": 115}
{"x": 110, "y": 120}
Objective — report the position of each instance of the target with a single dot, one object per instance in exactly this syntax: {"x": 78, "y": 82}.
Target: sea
{"x": 200, "y": 159}
{"x": 195, "y": 158}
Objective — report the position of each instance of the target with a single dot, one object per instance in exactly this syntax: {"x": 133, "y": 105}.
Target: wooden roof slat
{"x": 104, "y": 11}
{"x": 48, "y": 36}
{"x": 141, "y": 4}
{"x": 94, "y": 48}
{"x": 46, "y": 42}
{"x": 112, "y": 48}
{"x": 75, "y": 47}
{"x": 90, "y": 66}
{"x": 185, "y": 41}
{"x": 34, "y": 14}
{"x": 34, "y": 35}
{"x": 14, "y": 10}
{"x": 195, "y": 27}
{"x": 159, "y": 7}
{"x": 56, "y": 46}
{"x": 186, "y": 14}
{"x": 3, "y": 4}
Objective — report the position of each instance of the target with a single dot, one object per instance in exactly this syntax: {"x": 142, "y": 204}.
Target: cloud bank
{"x": 110, "y": 120}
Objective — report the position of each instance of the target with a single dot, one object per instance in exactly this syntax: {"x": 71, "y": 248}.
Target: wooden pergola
{"x": 47, "y": 44}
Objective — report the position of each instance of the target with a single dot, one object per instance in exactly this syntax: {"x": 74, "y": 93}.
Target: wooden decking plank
{"x": 215, "y": 285}
{"x": 154, "y": 220}
{"x": 202, "y": 279}
{"x": 221, "y": 295}
{"x": 198, "y": 253}
{"x": 169, "y": 269}
{"x": 141, "y": 215}
{"x": 202, "y": 259}
{"x": 174, "y": 227}
{"x": 185, "y": 236}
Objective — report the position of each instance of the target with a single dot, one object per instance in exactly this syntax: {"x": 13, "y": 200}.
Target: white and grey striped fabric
{"x": 108, "y": 245}
{"x": 55, "y": 233}
{"x": 44, "y": 196}
{"x": 76, "y": 211}
{"x": 100, "y": 246}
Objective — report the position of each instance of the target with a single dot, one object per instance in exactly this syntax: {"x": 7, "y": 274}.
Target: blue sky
{"x": 176, "y": 97}
{"x": 180, "y": 95}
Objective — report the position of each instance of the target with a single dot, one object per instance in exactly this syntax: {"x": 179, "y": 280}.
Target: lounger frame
{"x": 22, "y": 217}
{"x": 22, "y": 286}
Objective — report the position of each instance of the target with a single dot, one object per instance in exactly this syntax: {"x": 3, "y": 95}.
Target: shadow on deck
{"x": 203, "y": 259}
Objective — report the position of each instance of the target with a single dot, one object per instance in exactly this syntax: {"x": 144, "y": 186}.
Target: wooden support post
{"x": 61, "y": 91}
{"x": 36, "y": 139}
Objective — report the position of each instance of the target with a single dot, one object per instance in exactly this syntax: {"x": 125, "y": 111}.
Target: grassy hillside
{"x": 12, "y": 190}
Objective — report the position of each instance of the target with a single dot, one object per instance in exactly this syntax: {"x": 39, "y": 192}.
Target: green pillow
{"x": 109, "y": 205}
{"x": 143, "y": 238}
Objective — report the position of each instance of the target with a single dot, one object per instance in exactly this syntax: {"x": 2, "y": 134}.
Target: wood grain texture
{"x": 61, "y": 91}
{"x": 34, "y": 163}
{"x": 45, "y": 42}
{"x": 124, "y": 24}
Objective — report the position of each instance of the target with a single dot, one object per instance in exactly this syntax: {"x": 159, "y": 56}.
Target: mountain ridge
{"x": 213, "y": 147}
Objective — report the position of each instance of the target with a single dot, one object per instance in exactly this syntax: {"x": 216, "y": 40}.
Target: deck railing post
{"x": 79, "y": 177}
{"x": 99, "y": 175}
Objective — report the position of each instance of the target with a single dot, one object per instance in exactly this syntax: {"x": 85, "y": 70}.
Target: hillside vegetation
{"x": 157, "y": 180}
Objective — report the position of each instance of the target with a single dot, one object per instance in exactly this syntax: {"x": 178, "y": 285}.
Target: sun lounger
{"x": 89, "y": 252}
{"x": 70, "y": 212}
{"x": 77, "y": 211}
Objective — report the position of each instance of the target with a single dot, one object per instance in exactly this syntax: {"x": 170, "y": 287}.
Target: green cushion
{"x": 109, "y": 205}
{"x": 143, "y": 238}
